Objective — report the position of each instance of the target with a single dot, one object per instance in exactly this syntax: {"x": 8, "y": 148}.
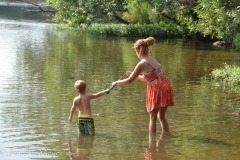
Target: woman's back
{"x": 150, "y": 64}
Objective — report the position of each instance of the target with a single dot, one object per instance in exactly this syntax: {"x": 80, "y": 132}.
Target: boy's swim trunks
{"x": 86, "y": 125}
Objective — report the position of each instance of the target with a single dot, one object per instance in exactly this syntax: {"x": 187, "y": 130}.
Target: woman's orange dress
{"x": 159, "y": 90}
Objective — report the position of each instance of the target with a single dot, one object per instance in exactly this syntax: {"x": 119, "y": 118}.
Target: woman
{"x": 159, "y": 90}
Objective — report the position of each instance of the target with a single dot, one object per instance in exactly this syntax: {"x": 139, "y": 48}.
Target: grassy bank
{"x": 137, "y": 30}
{"x": 229, "y": 74}
{"x": 227, "y": 78}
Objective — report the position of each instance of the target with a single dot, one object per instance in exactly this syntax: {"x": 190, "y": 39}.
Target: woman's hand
{"x": 114, "y": 84}
{"x": 128, "y": 73}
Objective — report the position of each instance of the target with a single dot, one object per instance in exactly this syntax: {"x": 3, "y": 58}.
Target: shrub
{"x": 230, "y": 74}
{"x": 236, "y": 41}
{"x": 137, "y": 30}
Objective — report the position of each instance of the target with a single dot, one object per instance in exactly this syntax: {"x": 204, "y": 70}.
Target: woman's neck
{"x": 144, "y": 57}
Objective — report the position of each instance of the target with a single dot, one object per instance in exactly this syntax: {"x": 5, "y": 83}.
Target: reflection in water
{"x": 18, "y": 11}
{"x": 84, "y": 146}
{"x": 156, "y": 149}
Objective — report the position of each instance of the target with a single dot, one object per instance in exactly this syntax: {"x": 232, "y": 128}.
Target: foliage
{"x": 74, "y": 12}
{"x": 157, "y": 30}
{"x": 140, "y": 13}
{"x": 230, "y": 74}
{"x": 216, "y": 18}
{"x": 236, "y": 41}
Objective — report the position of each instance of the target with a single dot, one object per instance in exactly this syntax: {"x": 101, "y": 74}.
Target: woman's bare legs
{"x": 162, "y": 119}
{"x": 153, "y": 119}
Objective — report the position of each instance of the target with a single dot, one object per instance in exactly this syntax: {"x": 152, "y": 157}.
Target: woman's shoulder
{"x": 140, "y": 63}
{"x": 154, "y": 59}
{"x": 150, "y": 62}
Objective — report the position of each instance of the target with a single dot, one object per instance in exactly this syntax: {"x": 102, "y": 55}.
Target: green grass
{"x": 229, "y": 73}
{"x": 227, "y": 78}
{"x": 123, "y": 30}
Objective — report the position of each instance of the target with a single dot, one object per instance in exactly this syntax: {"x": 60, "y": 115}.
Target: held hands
{"x": 114, "y": 84}
{"x": 108, "y": 91}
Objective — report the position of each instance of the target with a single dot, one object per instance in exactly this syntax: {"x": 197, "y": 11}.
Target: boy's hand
{"x": 108, "y": 90}
{"x": 70, "y": 119}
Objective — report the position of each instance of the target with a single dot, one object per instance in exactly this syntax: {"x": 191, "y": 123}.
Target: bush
{"x": 230, "y": 74}
{"x": 137, "y": 30}
{"x": 236, "y": 41}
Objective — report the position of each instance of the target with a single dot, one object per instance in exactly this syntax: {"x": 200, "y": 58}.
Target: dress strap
{"x": 149, "y": 65}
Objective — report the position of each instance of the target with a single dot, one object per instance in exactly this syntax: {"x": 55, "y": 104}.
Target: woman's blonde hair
{"x": 80, "y": 86}
{"x": 142, "y": 45}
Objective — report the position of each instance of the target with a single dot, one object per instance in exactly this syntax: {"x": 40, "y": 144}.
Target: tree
{"x": 216, "y": 18}
{"x": 75, "y": 12}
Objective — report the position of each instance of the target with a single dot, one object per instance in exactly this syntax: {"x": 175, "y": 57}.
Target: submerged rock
{"x": 219, "y": 43}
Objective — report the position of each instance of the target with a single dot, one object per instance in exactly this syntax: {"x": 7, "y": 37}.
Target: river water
{"x": 39, "y": 65}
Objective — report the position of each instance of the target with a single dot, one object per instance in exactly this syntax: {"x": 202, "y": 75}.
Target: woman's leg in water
{"x": 152, "y": 120}
{"x": 162, "y": 119}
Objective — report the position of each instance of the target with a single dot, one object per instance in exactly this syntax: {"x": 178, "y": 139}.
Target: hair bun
{"x": 150, "y": 41}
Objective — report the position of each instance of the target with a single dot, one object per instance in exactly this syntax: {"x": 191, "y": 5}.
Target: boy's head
{"x": 80, "y": 86}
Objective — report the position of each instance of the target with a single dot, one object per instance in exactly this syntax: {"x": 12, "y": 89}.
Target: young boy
{"x": 82, "y": 102}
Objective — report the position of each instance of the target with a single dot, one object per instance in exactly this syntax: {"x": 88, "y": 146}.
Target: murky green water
{"x": 39, "y": 65}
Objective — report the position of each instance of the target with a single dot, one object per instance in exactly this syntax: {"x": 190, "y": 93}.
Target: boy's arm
{"x": 74, "y": 106}
{"x": 99, "y": 94}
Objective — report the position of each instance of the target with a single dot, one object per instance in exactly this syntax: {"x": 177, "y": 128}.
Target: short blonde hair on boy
{"x": 80, "y": 86}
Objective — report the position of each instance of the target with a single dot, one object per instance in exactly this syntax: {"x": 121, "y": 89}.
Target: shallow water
{"x": 39, "y": 65}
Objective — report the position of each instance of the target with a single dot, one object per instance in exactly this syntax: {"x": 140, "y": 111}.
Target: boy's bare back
{"x": 83, "y": 101}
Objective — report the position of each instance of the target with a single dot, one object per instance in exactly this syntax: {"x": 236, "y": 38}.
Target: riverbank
{"x": 161, "y": 30}
{"x": 129, "y": 30}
